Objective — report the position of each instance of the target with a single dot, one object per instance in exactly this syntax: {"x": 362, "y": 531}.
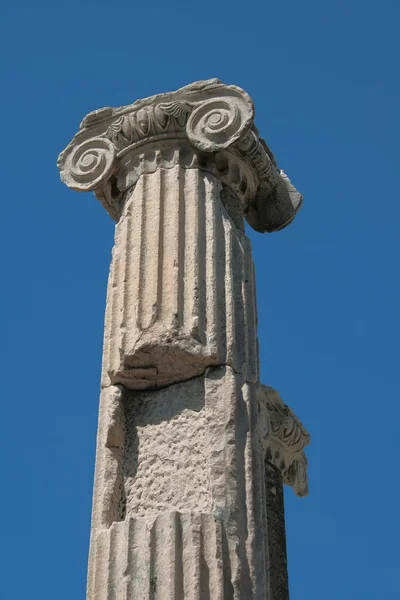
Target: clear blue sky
{"x": 324, "y": 77}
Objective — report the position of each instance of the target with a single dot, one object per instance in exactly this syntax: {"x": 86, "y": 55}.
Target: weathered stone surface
{"x": 170, "y": 555}
{"x": 181, "y": 287}
{"x": 188, "y": 439}
{"x": 191, "y": 447}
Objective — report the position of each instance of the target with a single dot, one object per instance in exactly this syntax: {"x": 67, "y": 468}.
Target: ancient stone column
{"x": 191, "y": 451}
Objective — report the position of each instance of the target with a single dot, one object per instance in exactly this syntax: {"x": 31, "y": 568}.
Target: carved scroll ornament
{"x": 115, "y": 146}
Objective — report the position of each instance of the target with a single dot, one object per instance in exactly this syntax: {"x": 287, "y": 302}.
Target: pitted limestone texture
{"x": 166, "y": 458}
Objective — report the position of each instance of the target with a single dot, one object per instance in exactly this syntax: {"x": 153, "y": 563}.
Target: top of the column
{"x": 114, "y": 146}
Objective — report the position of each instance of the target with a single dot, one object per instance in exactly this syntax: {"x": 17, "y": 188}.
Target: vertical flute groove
{"x": 181, "y": 246}
{"x": 125, "y": 232}
{"x": 208, "y": 223}
{"x": 141, "y": 283}
{"x": 250, "y": 316}
{"x": 221, "y": 315}
{"x": 100, "y": 587}
{"x": 112, "y": 580}
{"x": 136, "y": 216}
{"x": 111, "y": 309}
{"x": 230, "y": 301}
{"x": 161, "y": 297}
{"x": 192, "y": 261}
{"x": 170, "y": 248}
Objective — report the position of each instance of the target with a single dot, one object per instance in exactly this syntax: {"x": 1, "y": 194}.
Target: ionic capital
{"x": 206, "y": 125}
{"x": 283, "y": 439}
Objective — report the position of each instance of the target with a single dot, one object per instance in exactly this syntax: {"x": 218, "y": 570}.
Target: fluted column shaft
{"x": 181, "y": 290}
{"x": 181, "y": 327}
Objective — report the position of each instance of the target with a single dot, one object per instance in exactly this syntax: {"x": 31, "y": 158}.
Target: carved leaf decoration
{"x": 117, "y": 133}
{"x": 176, "y": 109}
{"x": 115, "y": 126}
{"x": 287, "y": 427}
{"x": 161, "y": 116}
{"x": 143, "y": 122}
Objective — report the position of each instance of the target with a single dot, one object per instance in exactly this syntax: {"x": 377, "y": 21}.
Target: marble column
{"x": 189, "y": 441}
